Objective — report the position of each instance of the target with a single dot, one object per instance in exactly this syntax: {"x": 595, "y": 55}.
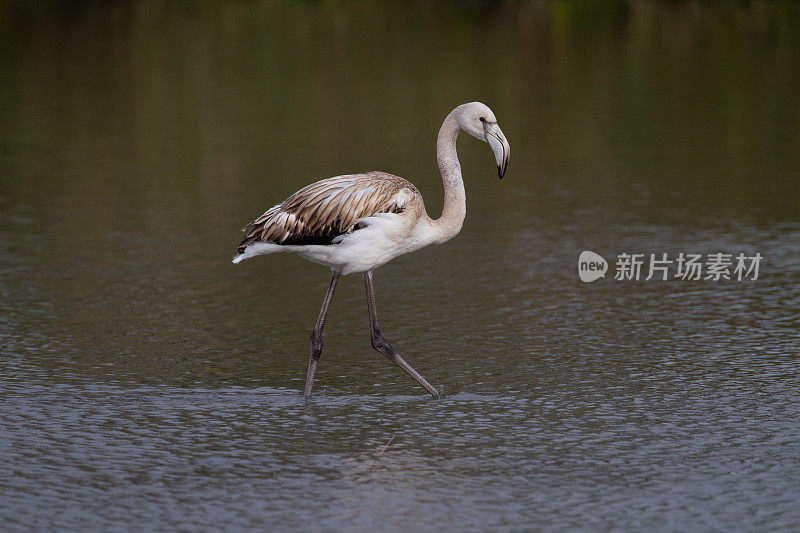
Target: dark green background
{"x": 146, "y": 381}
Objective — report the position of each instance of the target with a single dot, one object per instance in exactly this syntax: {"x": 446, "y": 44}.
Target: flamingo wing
{"x": 326, "y": 209}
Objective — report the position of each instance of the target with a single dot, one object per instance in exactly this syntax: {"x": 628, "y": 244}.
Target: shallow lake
{"x": 148, "y": 383}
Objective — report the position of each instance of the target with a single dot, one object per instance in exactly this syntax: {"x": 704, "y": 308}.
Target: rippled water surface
{"x": 148, "y": 383}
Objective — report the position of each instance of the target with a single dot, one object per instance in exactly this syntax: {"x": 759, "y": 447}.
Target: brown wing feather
{"x": 321, "y": 211}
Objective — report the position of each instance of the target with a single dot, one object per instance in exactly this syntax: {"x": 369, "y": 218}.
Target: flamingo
{"x": 358, "y": 222}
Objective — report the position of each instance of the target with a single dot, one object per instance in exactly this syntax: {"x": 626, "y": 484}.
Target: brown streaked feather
{"x": 321, "y": 211}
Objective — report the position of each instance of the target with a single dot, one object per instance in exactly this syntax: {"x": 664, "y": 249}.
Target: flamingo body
{"x": 351, "y": 223}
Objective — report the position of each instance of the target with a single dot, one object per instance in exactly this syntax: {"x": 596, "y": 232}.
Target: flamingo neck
{"x": 455, "y": 199}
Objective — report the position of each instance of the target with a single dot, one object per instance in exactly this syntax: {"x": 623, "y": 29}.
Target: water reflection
{"x": 146, "y": 380}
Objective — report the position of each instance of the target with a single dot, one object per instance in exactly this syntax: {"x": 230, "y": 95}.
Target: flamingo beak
{"x": 499, "y": 145}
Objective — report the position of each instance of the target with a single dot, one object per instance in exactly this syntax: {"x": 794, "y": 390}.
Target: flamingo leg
{"x": 316, "y": 335}
{"x": 383, "y": 347}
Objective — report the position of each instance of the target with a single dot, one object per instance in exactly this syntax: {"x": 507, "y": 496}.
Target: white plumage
{"x": 350, "y": 223}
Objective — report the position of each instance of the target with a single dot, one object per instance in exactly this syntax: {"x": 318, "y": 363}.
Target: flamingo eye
{"x": 483, "y": 119}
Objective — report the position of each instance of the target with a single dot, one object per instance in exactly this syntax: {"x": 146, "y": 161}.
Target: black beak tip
{"x": 501, "y": 171}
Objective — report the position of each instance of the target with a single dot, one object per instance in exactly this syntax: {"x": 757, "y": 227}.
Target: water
{"x": 147, "y": 383}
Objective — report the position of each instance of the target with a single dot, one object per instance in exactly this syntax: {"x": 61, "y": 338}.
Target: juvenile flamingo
{"x": 358, "y": 222}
